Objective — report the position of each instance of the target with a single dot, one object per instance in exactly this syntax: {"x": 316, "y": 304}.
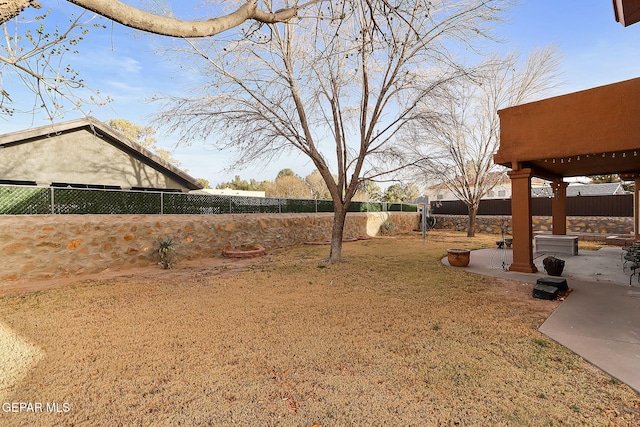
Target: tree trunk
{"x": 471, "y": 228}
{"x": 339, "y": 218}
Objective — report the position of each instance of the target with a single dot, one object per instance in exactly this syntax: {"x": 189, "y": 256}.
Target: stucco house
{"x": 441, "y": 192}
{"x": 86, "y": 153}
{"x": 539, "y": 188}
{"x": 501, "y": 190}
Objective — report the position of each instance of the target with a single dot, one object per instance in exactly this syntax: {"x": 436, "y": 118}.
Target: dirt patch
{"x": 390, "y": 337}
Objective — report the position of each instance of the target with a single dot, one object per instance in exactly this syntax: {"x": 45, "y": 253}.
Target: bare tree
{"x": 336, "y": 85}
{"x": 457, "y": 149}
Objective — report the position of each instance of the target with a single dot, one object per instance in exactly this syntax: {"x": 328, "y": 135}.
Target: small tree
{"x": 242, "y": 184}
{"x": 285, "y": 172}
{"x": 456, "y": 145}
{"x": 289, "y": 187}
{"x": 205, "y": 182}
{"x": 400, "y": 193}
{"x": 318, "y": 187}
{"x": 237, "y": 184}
{"x": 368, "y": 191}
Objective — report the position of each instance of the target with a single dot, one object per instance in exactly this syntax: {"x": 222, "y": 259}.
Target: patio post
{"x": 558, "y": 207}
{"x": 521, "y": 220}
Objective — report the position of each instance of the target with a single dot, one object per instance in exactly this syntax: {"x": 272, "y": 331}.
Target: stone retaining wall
{"x": 51, "y": 246}
{"x": 575, "y": 224}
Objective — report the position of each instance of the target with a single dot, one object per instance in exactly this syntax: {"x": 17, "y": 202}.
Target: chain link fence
{"x": 23, "y": 200}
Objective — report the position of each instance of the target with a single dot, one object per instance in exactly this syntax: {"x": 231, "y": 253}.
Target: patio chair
{"x": 634, "y": 268}
{"x": 629, "y": 254}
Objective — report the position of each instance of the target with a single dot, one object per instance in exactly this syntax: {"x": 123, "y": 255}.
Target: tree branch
{"x": 11, "y": 9}
{"x": 135, "y": 18}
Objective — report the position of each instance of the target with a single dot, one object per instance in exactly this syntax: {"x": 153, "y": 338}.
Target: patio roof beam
{"x": 627, "y": 12}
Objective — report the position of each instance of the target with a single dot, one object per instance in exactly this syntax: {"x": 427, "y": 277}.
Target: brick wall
{"x": 51, "y": 246}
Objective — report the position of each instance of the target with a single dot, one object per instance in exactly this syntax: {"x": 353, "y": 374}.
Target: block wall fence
{"x": 575, "y": 224}
{"x": 39, "y": 247}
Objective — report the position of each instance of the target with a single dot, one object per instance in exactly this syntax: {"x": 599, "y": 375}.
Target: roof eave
{"x": 92, "y": 123}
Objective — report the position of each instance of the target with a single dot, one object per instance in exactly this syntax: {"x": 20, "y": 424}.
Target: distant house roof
{"x": 103, "y": 133}
{"x": 230, "y": 192}
{"x": 575, "y": 189}
{"x": 605, "y": 189}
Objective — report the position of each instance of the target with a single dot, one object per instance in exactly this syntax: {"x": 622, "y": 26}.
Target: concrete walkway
{"x": 599, "y": 320}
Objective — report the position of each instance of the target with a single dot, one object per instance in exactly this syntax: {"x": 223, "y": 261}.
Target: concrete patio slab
{"x": 599, "y": 320}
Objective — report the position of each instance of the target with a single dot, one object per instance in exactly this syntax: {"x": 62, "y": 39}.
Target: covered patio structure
{"x": 592, "y": 132}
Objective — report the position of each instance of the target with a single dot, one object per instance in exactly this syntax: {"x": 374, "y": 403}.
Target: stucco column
{"x": 521, "y": 221}
{"x": 559, "y": 207}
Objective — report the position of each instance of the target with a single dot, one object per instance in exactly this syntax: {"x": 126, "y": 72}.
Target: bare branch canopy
{"x": 141, "y": 20}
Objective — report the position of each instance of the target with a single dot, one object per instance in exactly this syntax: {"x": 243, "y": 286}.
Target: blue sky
{"x": 120, "y": 63}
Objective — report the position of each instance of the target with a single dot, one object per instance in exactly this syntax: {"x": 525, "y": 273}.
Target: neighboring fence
{"x": 23, "y": 200}
{"x": 609, "y": 206}
{"x": 588, "y": 228}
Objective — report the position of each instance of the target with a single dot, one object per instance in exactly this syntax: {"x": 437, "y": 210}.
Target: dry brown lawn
{"x": 390, "y": 337}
